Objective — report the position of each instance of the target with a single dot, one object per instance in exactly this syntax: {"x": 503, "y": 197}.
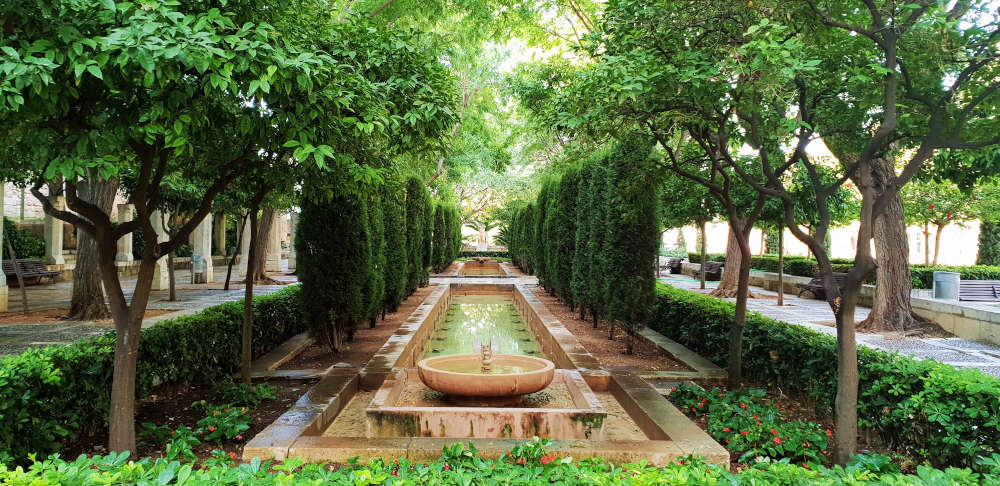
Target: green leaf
{"x": 110, "y": 5}
{"x": 95, "y": 71}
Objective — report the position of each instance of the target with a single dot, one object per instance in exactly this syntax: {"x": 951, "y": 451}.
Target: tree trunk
{"x": 246, "y": 349}
{"x": 87, "y": 301}
{"x": 891, "y": 310}
{"x": 171, "y": 277}
{"x": 927, "y": 242}
{"x": 937, "y": 242}
{"x": 846, "y": 401}
{"x": 735, "y": 368}
{"x": 236, "y": 252}
{"x": 259, "y": 246}
{"x": 704, "y": 254}
{"x": 781, "y": 265}
{"x": 735, "y": 256}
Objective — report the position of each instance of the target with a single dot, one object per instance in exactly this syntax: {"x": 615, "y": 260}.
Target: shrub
{"x": 396, "y": 264}
{"x": 989, "y": 244}
{"x": 374, "y": 294}
{"x": 53, "y": 393}
{"x": 26, "y": 244}
{"x": 417, "y": 202}
{"x": 439, "y": 246}
{"x": 931, "y": 410}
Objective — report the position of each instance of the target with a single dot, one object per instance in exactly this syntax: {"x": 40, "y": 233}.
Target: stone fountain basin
{"x": 434, "y": 372}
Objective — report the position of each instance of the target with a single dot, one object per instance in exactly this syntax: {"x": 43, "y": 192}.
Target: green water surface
{"x": 473, "y": 319}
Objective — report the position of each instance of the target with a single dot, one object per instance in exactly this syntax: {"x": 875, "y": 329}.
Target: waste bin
{"x": 946, "y": 285}
{"x": 197, "y": 268}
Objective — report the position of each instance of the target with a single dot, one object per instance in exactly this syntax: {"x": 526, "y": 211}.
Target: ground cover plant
{"x": 528, "y": 464}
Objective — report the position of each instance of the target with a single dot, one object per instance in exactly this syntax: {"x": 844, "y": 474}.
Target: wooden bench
{"x": 713, "y": 270}
{"x": 675, "y": 265}
{"x": 815, "y": 286}
{"x": 979, "y": 290}
{"x": 29, "y": 269}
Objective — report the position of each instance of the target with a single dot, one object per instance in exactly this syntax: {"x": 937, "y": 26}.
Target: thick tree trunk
{"x": 730, "y": 283}
{"x": 259, "y": 247}
{"x": 87, "y": 301}
{"x": 704, "y": 255}
{"x": 891, "y": 310}
{"x": 937, "y": 242}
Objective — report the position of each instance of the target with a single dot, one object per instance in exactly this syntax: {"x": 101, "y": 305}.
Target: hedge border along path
{"x": 930, "y": 410}
{"x": 51, "y": 393}
{"x": 922, "y": 276}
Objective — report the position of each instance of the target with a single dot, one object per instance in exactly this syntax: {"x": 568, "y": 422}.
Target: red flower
{"x": 727, "y": 441}
{"x": 758, "y": 423}
{"x": 239, "y": 437}
{"x": 232, "y": 455}
{"x": 931, "y": 206}
{"x": 547, "y": 459}
{"x": 725, "y": 429}
{"x": 829, "y": 433}
{"x": 446, "y": 466}
{"x": 745, "y": 432}
{"x": 211, "y": 429}
{"x": 805, "y": 465}
{"x": 743, "y": 405}
{"x": 774, "y": 432}
{"x": 395, "y": 462}
{"x": 776, "y": 440}
{"x": 755, "y": 417}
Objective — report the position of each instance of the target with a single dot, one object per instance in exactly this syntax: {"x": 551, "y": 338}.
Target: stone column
{"x": 292, "y": 225}
{"x": 54, "y": 235}
{"x": 125, "y": 213}
{"x": 219, "y": 233}
{"x": 241, "y": 266}
{"x": 161, "y": 277}
{"x": 201, "y": 247}
{"x": 274, "y": 244}
{"x": 3, "y": 278}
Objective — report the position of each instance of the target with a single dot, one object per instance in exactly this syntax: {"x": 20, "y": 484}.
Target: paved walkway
{"x": 813, "y": 313}
{"x": 17, "y": 336}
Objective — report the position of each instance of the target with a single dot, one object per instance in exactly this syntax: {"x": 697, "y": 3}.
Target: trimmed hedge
{"x": 483, "y": 254}
{"x": 933, "y": 411}
{"x": 26, "y": 244}
{"x": 54, "y": 393}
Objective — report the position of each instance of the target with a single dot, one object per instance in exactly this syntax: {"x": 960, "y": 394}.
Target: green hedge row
{"x": 483, "y": 254}
{"x": 26, "y": 244}
{"x": 922, "y": 276}
{"x": 931, "y": 410}
{"x": 53, "y": 393}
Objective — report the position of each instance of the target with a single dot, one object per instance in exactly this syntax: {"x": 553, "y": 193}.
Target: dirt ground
{"x": 366, "y": 343}
{"x": 609, "y": 353}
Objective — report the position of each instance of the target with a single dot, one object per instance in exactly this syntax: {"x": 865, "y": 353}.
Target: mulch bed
{"x": 608, "y": 353}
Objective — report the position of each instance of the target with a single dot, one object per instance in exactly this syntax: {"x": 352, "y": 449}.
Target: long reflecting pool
{"x": 474, "y": 319}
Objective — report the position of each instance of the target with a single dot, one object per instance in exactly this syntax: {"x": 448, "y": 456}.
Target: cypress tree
{"x": 989, "y": 244}
{"x": 551, "y": 230}
{"x": 564, "y": 238}
{"x": 333, "y": 247}
{"x": 579, "y": 284}
{"x": 396, "y": 264}
{"x": 538, "y": 236}
{"x": 375, "y": 289}
{"x": 456, "y": 233}
{"x": 439, "y": 244}
{"x": 632, "y": 234}
{"x": 415, "y": 217}
{"x": 428, "y": 236}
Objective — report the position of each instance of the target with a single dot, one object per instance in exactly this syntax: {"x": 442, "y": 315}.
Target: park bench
{"x": 29, "y": 269}
{"x": 713, "y": 270}
{"x": 815, "y": 286}
{"x": 979, "y": 290}
{"x": 674, "y": 264}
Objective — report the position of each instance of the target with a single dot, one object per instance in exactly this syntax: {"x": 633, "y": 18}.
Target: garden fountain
{"x": 486, "y": 379}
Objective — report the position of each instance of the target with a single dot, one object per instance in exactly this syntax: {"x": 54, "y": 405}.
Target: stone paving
{"x": 15, "y": 337}
{"x": 813, "y": 313}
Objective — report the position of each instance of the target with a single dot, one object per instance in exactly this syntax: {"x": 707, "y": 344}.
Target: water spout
{"x": 486, "y": 356}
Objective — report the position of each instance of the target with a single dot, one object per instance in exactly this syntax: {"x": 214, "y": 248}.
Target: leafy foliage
{"x": 932, "y": 411}
{"x": 417, "y": 206}
{"x": 26, "y": 244}
{"x": 41, "y": 389}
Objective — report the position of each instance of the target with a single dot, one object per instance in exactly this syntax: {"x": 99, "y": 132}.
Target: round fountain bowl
{"x": 459, "y": 376}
